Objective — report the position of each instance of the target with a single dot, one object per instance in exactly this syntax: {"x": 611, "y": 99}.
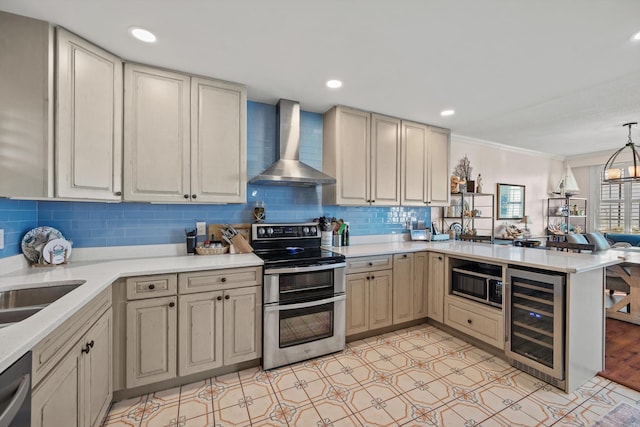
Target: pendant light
{"x": 617, "y": 170}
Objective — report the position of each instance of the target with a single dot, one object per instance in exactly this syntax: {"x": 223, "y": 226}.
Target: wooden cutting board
{"x": 215, "y": 230}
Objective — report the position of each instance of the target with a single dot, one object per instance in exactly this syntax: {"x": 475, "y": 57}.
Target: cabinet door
{"x": 438, "y": 174}
{"x": 345, "y": 153}
{"x": 435, "y": 299}
{"x": 414, "y": 164}
{"x": 242, "y": 324}
{"x": 402, "y": 288}
{"x": 380, "y": 299}
{"x": 151, "y": 340}
{"x": 156, "y": 135}
{"x": 26, "y": 107}
{"x": 88, "y": 120}
{"x": 218, "y": 142}
{"x": 199, "y": 332}
{"x": 357, "y": 289}
{"x": 97, "y": 368}
{"x": 420, "y": 282}
{"x": 56, "y": 401}
{"x": 385, "y": 160}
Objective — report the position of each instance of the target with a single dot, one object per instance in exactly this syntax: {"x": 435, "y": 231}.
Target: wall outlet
{"x": 201, "y": 228}
{"x": 1, "y": 238}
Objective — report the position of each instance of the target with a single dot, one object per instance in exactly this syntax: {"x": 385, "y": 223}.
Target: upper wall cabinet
{"x": 425, "y": 162}
{"x": 184, "y": 138}
{"x": 26, "y": 113}
{"x": 362, "y": 151}
{"x": 88, "y": 120}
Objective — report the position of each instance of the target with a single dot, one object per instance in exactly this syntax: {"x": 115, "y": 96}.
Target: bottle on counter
{"x": 345, "y": 236}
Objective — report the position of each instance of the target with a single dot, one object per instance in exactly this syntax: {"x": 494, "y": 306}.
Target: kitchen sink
{"x": 18, "y": 304}
{"x": 37, "y": 296}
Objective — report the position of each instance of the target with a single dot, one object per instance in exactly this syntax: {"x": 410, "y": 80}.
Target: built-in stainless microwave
{"x": 479, "y": 282}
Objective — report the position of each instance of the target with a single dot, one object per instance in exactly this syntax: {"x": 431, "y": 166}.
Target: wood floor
{"x": 622, "y": 353}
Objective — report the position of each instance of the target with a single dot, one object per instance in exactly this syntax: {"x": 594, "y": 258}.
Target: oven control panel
{"x": 285, "y": 231}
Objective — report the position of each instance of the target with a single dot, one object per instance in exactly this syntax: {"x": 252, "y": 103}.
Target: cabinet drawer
{"x": 160, "y": 285}
{"x": 212, "y": 280}
{"x": 360, "y": 265}
{"x": 485, "y": 324}
{"x": 48, "y": 352}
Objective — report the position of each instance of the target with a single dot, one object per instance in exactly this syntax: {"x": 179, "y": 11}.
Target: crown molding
{"x": 497, "y": 145}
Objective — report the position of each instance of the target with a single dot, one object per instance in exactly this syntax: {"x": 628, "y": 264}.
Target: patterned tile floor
{"x": 420, "y": 376}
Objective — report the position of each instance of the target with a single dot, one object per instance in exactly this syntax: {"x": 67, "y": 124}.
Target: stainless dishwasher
{"x": 15, "y": 394}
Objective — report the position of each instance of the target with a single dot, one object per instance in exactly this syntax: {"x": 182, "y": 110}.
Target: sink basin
{"x": 18, "y": 304}
{"x": 38, "y": 296}
{"x": 11, "y": 316}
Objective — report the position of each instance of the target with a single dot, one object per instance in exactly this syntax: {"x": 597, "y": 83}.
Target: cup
{"x": 326, "y": 239}
{"x": 337, "y": 240}
{"x": 191, "y": 244}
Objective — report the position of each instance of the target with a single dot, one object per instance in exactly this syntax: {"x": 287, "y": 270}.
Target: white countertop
{"x": 566, "y": 262}
{"x": 19, "y": 338}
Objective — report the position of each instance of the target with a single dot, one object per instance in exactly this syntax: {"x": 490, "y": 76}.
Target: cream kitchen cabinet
{"x": 436, "y": 287}
{"x": 75, "y": 388}
{"x": 88, "y": 147}
{"x": 420, "y": 284}
{"x": 151, "y": 341}
{"x": 410, "y": 286}
{"x": 26, "y": 107}
{"x": 227, "y": 304}
{"x": 481, "y": 322}
{"x": 184, "y": 138}
{"x": 425, "y": 163}
{"x": 218, "y": 328}
{"x": 403, "y": 265}
{"x": 369, "y": 286}
{"x": 362, "y": 151}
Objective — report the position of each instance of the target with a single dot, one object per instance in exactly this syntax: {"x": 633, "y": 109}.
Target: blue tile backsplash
{"x": 91, "y": 224}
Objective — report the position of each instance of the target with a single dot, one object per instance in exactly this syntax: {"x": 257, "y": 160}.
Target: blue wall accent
{"x": 90, "y": 224}
{"x": 16, "y": 218}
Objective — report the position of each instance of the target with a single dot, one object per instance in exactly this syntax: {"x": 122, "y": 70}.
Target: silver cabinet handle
{"x": 16, "y": 402}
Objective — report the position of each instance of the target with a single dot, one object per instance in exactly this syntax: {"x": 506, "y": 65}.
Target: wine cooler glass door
{"x": 535, "y": 324}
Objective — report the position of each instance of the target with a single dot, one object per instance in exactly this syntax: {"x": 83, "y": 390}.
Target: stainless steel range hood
{"x": 288, "y": 169}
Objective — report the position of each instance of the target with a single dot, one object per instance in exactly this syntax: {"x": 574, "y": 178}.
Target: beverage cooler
{"x": 534, "y": 309}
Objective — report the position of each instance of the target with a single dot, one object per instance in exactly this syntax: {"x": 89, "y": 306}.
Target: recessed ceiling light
{"x": 142, "y": 34}
{"x": 636, "y": 37}
{"x": 447, "y": 112}
{"x": 334, "y": 84}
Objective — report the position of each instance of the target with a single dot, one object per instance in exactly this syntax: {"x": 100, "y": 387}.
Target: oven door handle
{"x": 271, "y": 308}
{"x": 305, "y": 269}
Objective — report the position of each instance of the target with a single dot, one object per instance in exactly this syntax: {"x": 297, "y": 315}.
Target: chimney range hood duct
{"x": 288, "y": 169}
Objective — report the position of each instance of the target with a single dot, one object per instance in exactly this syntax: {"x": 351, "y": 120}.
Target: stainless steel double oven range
{"x": 303, "y": 295}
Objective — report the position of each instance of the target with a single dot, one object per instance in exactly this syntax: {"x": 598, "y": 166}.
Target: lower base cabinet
{"x": 187, "y": 323}
{"x": 483, "y": 323}
{"x": 218, "y": 328}
{"x": 369, "y": 301}
{"x": 436, "y": 287}
{"x": 151, "y": 340}
{"x": 77, "y": 391}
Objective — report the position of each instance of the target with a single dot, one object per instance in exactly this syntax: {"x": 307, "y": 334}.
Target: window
{"x": 619, "y": 210}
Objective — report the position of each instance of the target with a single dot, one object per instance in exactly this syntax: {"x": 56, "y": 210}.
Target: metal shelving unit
{"x": 470, "y": 216}
{"x": 568, "y": 214}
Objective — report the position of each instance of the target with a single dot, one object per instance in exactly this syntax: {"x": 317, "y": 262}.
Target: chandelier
{"x": 618, "y": 170}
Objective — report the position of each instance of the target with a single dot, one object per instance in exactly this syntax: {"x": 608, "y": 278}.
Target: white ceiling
{"x": 556, "y": 76}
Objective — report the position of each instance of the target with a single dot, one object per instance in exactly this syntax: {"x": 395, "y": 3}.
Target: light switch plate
{"x": 1, "y": 238}
{"x": 201, "y": 228}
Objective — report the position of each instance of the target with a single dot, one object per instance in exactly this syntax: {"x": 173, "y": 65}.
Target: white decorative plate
{"x": 35, "y": 239}
{"x": 54, "y": 251}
